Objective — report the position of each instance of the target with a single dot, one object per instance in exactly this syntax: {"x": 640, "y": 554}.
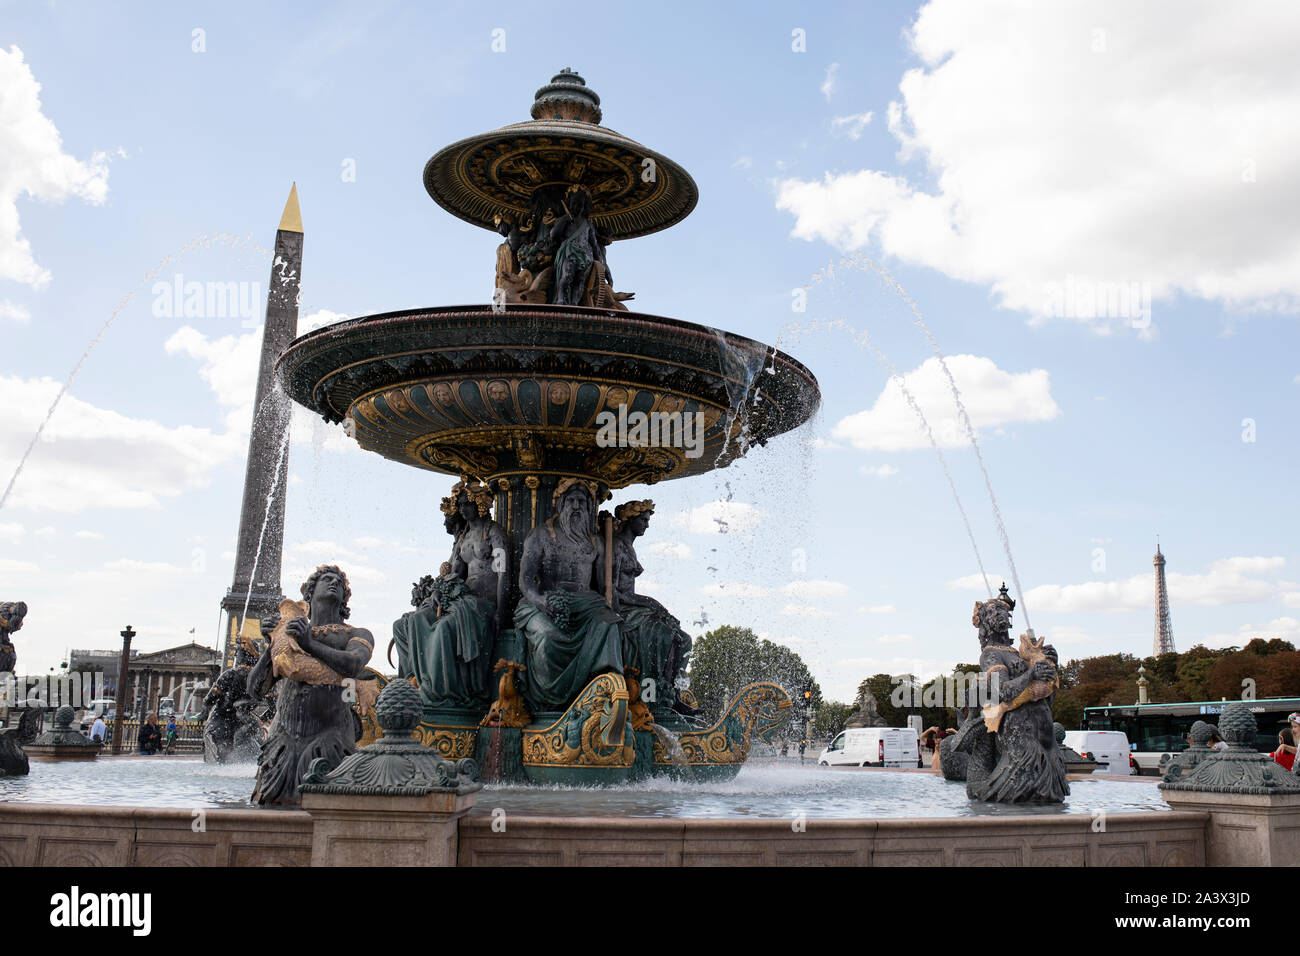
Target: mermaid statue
{"x": 446, "y": 643}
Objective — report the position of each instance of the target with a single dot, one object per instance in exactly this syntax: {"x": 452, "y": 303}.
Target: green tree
{"x": 1067, "y": 709}
{"x": 830, "y": 719}
{"x": 727, "y": 658}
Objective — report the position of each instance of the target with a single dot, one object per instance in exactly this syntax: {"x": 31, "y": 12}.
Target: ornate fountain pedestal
{"x": 62, "y": 742}
{"x": 395, "y": 802}
{"x": 1253, "y": 802}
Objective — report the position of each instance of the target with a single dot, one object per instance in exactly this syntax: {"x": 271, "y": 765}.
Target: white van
{"x": 873, "y": 746}
{"x": 1108, "y": 747}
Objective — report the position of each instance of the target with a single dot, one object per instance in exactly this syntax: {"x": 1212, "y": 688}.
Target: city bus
{"x": 1155, "y": 730}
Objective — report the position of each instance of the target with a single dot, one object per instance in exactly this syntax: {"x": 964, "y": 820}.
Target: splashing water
{"x": 896, "y": 288}
{"x": 204, "y": 241}
{"x": 281, "y": 456}
{"x": 740, "y": 369}
{"x": 672, "y": 747}
{"x": 862, "y": 338}
{"x": 943, "y": 462}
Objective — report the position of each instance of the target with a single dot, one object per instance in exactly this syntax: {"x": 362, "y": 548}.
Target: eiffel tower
{"x": 1164, "y": 642}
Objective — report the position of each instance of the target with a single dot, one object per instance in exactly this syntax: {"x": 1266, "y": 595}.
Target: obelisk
{"x": 256, "y": 584}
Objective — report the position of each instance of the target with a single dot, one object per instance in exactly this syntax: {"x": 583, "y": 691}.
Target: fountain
{"x": 544, "y": 402}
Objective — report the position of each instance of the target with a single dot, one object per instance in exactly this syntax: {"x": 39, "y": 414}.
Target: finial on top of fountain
{"x": 567, "y": 97}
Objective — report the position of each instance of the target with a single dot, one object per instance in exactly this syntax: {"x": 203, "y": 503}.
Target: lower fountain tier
{"x": 524, "y": 390}
{"x": 592, "y": 743}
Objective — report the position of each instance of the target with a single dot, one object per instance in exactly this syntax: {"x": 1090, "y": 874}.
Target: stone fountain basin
{"x": 493, "y": 392}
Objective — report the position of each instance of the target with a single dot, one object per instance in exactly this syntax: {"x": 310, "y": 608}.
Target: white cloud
{"x": 895, "y": 639}
{"x": 33, "y": 163}
{"x": 12, "y": 310}
{"x": 90, "y": 457}
{"x": 821, "y": 444}
{"x": 991, "y": 396}
{"x": 229, "y": 366}
{"x": 875, "y": 609}
{"x": 1064, "y": 142}
{"x": 89, "y": 535}
{"x": 1227, "y": 582}
{"x": 806, "y": 611}
{"x": 718, "y": 517}
{"x": 1285, "y": 628}
{"x": 11, "y": 532}
{"x": 851, "y": 125}
{"x": 828, "y": 84}
{"x": 877, "y": 471}
{"x": 973, "y": 582}
{"x": 742, "y": 589}
{"x": 815, "y": 590}
{"x": 671, "y": 549}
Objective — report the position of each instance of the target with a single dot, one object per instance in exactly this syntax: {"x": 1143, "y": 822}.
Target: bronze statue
{"x": 1010, "y": 749}
{"x": 312, "y": 659}
{"x": 13, "y": 762}
{"x": 572, "y": 634}
{"x": 11, "y": 620}
{"x": 232, "y": 733}
{"x": 663, "y": 646}
{"x": 446, "y": 643}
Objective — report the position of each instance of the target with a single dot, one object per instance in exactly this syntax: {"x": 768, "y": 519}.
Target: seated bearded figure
{"x": 663, "y": 646}
{"x": 446, "y": 643}
{"x": 573, "y": 634}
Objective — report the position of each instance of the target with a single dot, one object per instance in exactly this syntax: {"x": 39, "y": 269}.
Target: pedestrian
{"x": 1285, "y": 753}
{"x": 171, "y": 733}
{"x": 98, "y": 729}
{"x": 803, "y": 745}
{"x": 148, "y": 737}
{"x": 1217, "y": 742}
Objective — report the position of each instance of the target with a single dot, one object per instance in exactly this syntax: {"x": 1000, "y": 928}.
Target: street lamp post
{"x": 120, "y": 697}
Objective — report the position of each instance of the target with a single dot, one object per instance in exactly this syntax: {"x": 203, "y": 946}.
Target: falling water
{"x": 668, "y": 740}
{"x": 894, "y": 286}
{"x": 863, "y": 338}
{"x": 280, "y": 457}
{"x": 148, "y": 277}
{"x": 740, "y": 367}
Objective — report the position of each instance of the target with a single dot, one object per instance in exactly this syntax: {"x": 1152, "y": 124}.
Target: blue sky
{"x": 1007, "y": 156}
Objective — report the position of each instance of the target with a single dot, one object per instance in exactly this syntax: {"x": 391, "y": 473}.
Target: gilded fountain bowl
{"x": 495, "y": 391}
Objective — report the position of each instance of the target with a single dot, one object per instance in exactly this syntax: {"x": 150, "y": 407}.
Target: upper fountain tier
{"x": 498, "y": 176}
{"x": 555, "y": 377}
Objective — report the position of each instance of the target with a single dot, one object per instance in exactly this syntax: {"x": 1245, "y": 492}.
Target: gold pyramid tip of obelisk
{"x": 291, "y": 221}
